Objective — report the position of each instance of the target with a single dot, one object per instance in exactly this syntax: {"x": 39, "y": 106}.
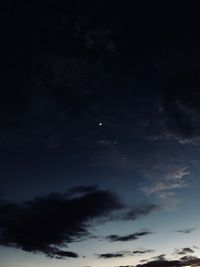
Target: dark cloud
{"x": 111, "y": 255}
{"x": 187, "y": 250}
{"x": 143, "y": 251}
{"x": 49, "y": 222}
{"x": 181, "y": 104}
{"x": 186, "y": 230}
{"x": 121, "y": 254}
{"x": 118, "y": 254}
{"x": 185, "y": 261}
{"x": 159, "y": 257}
{"x": 63, "y": 254}
{"x": 46, "y": 223}
{"x": 130, "y": 237}
{"x": 190, "y": 259}
{"x": 162, "y": 262}
{"x": 184, "y": 251}
{"x": 60, "y": 254}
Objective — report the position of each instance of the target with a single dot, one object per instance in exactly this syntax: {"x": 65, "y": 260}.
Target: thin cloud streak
{"x": 130, "y": 237}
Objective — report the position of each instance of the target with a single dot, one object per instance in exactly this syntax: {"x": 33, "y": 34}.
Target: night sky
{"x": 99, "y": 134}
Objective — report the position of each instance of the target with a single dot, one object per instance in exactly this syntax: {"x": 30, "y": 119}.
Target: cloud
{"x": 187, "y": 250}
{"x": 160, "y": 261}
{"x": 184, "y": 251}
{"x": 121, "y": 254}
{"x": 165, "y": 179}
{"x": 49, "y": 222}
{"x": 186, "y": 230}
{"x": 181, "y": 105}
{"x": 139, "y": 211}
{"x": 60, "y": 254}
{"x": 131, "y": 213}
{"x": 184, "y": 261}
{"x": 189, "y": 259}
{"x": 135, "y": 236}
{"x": 143, "y": 251}
{"x": 111, "y": 255}
{"x": 159, "y": 257}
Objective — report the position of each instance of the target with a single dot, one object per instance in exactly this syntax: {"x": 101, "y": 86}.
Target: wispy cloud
{"x": 130, "y": 237}
{"x": 140, "y": 211}
{"x": 165, "y": 179}
{"x": 123, "y": 253}
{"x": 142, "y": 251}
{"x": 186, "y": 230}
{"x": 181, "y": 107}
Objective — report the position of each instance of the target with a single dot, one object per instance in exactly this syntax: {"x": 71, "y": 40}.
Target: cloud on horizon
{"x": 184, "y": 261}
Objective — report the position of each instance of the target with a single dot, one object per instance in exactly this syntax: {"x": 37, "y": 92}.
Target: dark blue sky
{"x": 99, "y": 134}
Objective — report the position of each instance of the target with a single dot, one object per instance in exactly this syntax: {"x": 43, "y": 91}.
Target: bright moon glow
{"x": 100, "y": 123}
